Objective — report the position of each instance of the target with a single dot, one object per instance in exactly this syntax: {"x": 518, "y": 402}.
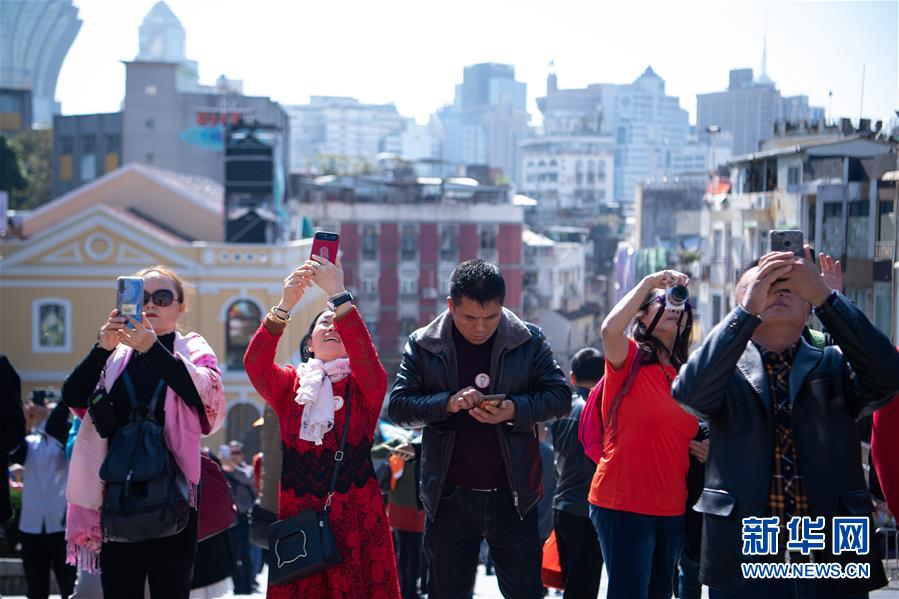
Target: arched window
{"x": 244, "y": 317}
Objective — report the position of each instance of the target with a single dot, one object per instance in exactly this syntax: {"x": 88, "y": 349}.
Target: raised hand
{"x": 772, "y": 266}
{"x": 295, "y": 286}
{"x": 831, "y": 271}
{"x": 327, "y": 275}
{"x": 667, "y": 278}
{"x": 109, "y": 332}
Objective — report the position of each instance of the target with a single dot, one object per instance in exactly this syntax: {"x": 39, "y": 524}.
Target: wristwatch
{"x": 338, "y": 300}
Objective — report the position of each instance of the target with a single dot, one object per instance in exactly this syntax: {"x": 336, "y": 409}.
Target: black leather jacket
{"x": 726, "y": 384}
{"x": 522, "y": 367}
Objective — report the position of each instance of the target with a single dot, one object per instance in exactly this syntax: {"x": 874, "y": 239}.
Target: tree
{"x": 13, "y": 178}
{"x": 35, "y": 150}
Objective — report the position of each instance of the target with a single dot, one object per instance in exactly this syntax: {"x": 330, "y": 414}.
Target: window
{"x": 717, "y": 244}
{"x": 408, "y": 243}
{"x": 66, "y": 146}
{"x": 113, "y": 144}
{"x": 409, "y": 284}
{"x": 448, "y": 250}
{"x": 886, "y": 228}
{"x": 488, "y": 238}
{"x": 244, "y": 317}
{"x": 51, "y": 325}
{"x": 716, "y": 309}
{"x": 812, "y": 221}
{"x": 793, "y": 177}
{"x": 369, "y": 242}
{"x": 369, "y": 284}
{"x": 857, "y": 229}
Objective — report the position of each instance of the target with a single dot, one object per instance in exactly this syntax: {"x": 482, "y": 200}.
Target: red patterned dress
{"x": 368, "y": 569}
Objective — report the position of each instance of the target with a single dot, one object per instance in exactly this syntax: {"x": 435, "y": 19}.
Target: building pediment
{"x": 101, "y": 240}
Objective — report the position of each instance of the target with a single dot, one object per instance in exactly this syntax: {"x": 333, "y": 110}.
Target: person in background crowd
{"x": 214, "y": 563}
{"x": 579, "y": 551}
{"x": 240, "y": 475}
{"x": 43, "y": 517}
{"x": 340, "y": 365}
{"x": 781, "y": 415}
{"x": 481, "y": 469}
{"x": 12, "y": 425}
{"x": 545, "y": 506}
{"x": 407, "y": 518}
{"x": 639, "y": 491}
{"x": 151, "y": 352}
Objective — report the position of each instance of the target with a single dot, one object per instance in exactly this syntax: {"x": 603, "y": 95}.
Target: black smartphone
{"x": 788, "y": 241}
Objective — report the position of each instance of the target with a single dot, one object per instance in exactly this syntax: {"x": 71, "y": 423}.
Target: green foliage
{"x": 34, "y": 148}
{"x": 12, "y": 171}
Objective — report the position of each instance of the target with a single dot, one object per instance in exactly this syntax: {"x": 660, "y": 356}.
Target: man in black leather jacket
{"x": 781, "y": 415}
{"x": 481, "y": 474}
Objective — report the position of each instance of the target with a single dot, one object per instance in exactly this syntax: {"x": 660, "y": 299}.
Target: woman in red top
{"x": 639, "y": 489}
{"x": 309, "y": 402}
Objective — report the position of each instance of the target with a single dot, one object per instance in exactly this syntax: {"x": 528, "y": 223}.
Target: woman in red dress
{"x": 309, "y": 402}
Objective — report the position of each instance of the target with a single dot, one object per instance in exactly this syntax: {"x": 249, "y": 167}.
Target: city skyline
{"x": 381, "y": 58}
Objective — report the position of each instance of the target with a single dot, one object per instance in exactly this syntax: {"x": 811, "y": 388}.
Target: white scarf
{"x": 316, "y": 394}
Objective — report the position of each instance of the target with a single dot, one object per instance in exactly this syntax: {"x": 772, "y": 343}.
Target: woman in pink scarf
{"x": 194, "y": 405}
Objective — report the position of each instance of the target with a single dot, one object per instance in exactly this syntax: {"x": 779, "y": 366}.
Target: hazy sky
{"x": 411, "y": 52}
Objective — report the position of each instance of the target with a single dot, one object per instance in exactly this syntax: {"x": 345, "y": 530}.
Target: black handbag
{"x": 146, "y": 496}
{"x": 304, "y": 544}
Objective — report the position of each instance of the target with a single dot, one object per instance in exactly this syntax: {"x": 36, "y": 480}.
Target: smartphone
{"x": 325, "y": 244}
{"x": 494, "y": 400}
{"x": 129, "y": 297}
{"x": 787, "y": 241}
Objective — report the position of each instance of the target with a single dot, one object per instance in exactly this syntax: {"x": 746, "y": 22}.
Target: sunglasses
{"x": 161, "y": 297}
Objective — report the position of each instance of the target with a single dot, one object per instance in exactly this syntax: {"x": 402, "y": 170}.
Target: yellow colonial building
{"x": 58, "y": 272}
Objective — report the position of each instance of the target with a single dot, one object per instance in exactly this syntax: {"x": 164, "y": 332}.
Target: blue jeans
{"x": 688, "y": 586}
{"x": 781, "y": 589}
{"x": 640, "y": 552}
{"x": 452, "y": 542}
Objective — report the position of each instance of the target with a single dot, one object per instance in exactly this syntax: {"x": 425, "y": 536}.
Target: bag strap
{"x": 622, "y": 391}
{"x": 132, "y": 394}
{"x": 338, "y": 457}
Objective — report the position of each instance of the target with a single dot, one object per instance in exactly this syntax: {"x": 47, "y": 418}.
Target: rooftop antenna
{"x": 861, "y": 108}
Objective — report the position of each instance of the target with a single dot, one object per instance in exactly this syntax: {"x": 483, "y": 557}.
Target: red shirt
{"x": 645, "y": 462}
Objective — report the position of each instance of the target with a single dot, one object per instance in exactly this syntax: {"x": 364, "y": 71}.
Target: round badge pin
{"x": 338, "y": 402}
{"x": 482, "y": 381}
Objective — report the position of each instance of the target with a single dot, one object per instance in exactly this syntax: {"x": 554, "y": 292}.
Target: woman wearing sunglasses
{"x": 151, "y": 352}
{"x": 639, "y": 491}
{"x": 340, "y": 368}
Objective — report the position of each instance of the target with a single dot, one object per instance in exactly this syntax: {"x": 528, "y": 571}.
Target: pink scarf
{"x": 316, "y": 394}
{"x": 182, "y": 430}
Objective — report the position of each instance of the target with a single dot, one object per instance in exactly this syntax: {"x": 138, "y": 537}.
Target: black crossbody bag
{"x": 304, "y": 544}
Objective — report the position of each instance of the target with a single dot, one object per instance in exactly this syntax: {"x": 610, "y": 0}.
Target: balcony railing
{"x": 883, "y": 250}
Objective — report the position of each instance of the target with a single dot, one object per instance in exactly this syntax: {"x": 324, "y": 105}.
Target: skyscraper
{"x": 487, "y": 119}
{"x": 34, "y": 40}
{"x": 162, "y": 38}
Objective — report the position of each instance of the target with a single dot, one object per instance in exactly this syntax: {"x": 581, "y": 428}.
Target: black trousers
{"x": 452, "y": 543}
{"x": 40, "y": 553}
{"x": 579, "y": 554}
{"x": 409, "y": 562}
{"x": 164, "y": 584}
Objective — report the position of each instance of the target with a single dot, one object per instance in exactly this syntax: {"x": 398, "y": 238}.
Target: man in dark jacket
{"x": 480, "y": 466}
{"x": 784, "y": 444}
{"x": 579, "y": 550}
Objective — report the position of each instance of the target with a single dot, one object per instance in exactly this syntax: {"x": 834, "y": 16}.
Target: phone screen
{"x": 325, "y": 244}
{"x": 130, "y": 297}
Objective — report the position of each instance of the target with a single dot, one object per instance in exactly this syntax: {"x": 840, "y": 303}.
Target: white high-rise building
{"x": 343, "y": 133}
{"x": 487, "y": 120}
